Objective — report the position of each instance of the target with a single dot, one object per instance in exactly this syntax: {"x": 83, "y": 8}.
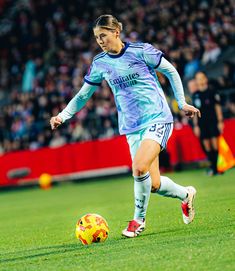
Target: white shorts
{"x": 159, "y": 132}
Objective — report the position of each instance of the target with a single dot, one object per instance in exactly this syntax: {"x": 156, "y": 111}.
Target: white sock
{"x": 142, "y": 190}
{"x": 170, "y": 189}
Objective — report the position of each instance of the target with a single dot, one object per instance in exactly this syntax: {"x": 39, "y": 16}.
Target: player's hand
{"x": 55, "y": 122}
{"x": 191, "y": 111}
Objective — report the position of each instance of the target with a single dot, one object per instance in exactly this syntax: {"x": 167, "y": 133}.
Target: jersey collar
{"x": 121, "y": 52}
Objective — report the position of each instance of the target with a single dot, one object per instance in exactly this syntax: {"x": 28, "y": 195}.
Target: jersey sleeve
{"x": 171, "y": 73}
{"x": 93, "y": 76}
{"x": 217, "y": 99}
{"x": 152, "y": 56}
{"x": 78, "y": 101}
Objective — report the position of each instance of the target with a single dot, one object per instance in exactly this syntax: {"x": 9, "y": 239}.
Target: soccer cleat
{"x": 187, "y": 205}
{"x": 134, "y": 228}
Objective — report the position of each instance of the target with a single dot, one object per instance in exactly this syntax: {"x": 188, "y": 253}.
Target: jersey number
{"x": 159, "y": 130}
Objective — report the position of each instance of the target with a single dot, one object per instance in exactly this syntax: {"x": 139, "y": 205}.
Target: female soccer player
{"x": 143, "y": 113}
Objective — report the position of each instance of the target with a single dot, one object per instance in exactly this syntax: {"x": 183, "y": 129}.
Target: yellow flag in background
{"x": 225, "y": 155}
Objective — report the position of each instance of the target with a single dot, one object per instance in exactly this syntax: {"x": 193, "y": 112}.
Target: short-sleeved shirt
{"x": 131, "y": 76}
{"x": 205, "y": 101}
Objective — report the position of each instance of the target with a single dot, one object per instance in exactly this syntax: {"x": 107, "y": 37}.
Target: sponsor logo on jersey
{"x": 125, "y": 81}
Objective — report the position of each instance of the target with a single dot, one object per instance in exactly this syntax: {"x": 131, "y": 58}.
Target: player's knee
{"x": 155, "y": 188}
{"x": 139, "y": 168}
{"x": 155, "y": 183}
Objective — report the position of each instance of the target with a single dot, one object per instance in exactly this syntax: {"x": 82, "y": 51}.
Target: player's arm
{"x": 219, "y": 113}
{"x": 195, "y": 121}
{"x": 74, "y": 106}
{"x": 171, "y": 73}
{"x": 196, "y": 128}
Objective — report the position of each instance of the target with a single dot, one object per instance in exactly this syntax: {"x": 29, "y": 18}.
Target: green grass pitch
{"x": 37, "y": 228}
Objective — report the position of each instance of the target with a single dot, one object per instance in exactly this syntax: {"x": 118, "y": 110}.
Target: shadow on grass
{"x": 57, "y": 249}
{"x": 78, "y": 247}
{"x": 53, "y": 250}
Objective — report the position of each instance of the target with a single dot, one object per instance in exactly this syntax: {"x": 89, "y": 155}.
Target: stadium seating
{"x": 47, "y": 46}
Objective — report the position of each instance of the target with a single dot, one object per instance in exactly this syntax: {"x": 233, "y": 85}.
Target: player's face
{"x": 201, "y": 80}
{"x": 107, "y": 39}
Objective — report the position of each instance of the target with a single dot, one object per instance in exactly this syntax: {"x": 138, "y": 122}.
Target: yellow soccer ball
{"x": 45, "y": 181}
{"x": 92, "y": 228}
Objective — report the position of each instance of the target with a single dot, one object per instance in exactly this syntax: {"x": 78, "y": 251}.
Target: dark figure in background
{"x": 210, "y": 125}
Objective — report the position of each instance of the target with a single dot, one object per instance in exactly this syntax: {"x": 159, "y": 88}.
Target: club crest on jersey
{"x": 132, "y": 64}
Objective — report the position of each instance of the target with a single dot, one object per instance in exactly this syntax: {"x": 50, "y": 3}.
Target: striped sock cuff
{"x": 142, "y": 177}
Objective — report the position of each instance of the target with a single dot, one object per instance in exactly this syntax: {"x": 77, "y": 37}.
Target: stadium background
{"x": 46, "y": 48}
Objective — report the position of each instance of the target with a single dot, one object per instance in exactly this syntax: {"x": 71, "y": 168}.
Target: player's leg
{"x": 146, "y": 154}
{"x": 143, "y": 156}
{"x": 155, "y": 174}
{"x": 163, "y": 185}
{"x": 214, "y": 144}
{"x": 145, "y": 162}
{"x": 142, "y": 161}
{"x": 158, "y": 134}
{"x": 209, "y": 139}
{"x": 209, "y": 153}
{"x": 206, "y": 144}
{"x": 166, "y": 187}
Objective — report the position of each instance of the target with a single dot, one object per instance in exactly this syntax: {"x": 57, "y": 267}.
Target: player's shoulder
{"x": 144, "y": 46}
{"x": 140, "y": 45}
{"x": 137, "y": 45}
{"x": 99, "y": 56}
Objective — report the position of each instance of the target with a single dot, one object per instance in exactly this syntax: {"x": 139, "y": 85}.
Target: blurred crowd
{"x": 49, "y": 47}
